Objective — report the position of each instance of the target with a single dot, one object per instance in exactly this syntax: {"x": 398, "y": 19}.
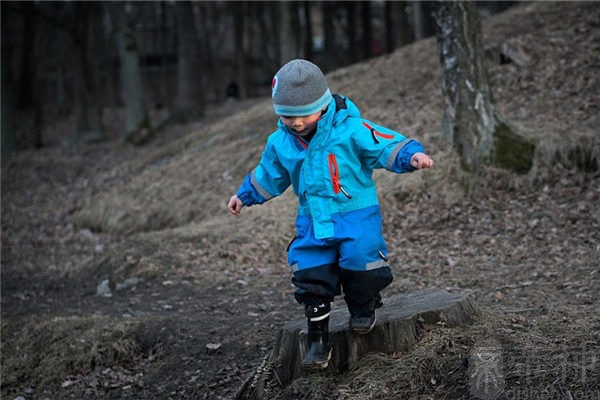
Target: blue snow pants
{"x": 355, "y": 261}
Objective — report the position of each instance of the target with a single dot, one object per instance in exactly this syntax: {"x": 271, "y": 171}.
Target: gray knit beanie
{"x": 299, "y": 88}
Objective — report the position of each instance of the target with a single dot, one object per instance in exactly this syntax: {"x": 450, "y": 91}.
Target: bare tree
{"x": 307, "y": 30}
{"x": 74, "y": 28}
{"x": 239, "y": 21}
{"x": 27, "y": 99}
{"x": 470, "y": 123}
{"x": 189, "y": 103}
{"x": 209, "y": 43}
{"x": 83, "y": 18}
{"x": 398, "y": 31}
{"x": 8, "y": 141}
{"x": 137, "y": 122}
{"x": 25, "y": 83}
{"x": 352, "y": 31}
{"x": 388, "y": 18}
{"x": 288, "y": 43}
{"x": 367, "y": 28}
{"x": 418, "y": 19}
{"x": 329, "y": 37}
{"x": 268, "y": 43}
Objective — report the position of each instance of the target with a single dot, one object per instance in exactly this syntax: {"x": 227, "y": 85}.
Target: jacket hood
{"x": 350, "y": 110}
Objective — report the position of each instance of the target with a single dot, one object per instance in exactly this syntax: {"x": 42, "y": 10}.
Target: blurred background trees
{"x": 88, "y": 62}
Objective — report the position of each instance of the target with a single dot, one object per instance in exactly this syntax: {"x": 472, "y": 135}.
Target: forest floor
{"x": 195, "y": 297}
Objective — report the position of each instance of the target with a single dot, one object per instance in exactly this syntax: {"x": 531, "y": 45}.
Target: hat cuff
{"x": 303, "y": 110}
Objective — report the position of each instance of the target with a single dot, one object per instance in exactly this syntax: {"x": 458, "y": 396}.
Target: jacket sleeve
{"x": 381, "y": 147}
{"x": 268, "y": 180}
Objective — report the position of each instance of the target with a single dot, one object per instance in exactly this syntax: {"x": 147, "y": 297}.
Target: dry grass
{"x": 49, "y": 351}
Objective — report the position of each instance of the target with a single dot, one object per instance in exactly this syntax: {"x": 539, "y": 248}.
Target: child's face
{"x": 302, "y": 125}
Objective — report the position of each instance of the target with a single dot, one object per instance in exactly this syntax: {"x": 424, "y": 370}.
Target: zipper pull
{"x": 345, "y": 193}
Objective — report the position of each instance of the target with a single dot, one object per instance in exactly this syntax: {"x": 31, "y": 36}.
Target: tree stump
{"x": 399, "y": 324}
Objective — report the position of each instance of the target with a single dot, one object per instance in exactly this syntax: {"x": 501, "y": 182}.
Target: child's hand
{"x": 421, "y": 160}
{"x": 235, "y": 205}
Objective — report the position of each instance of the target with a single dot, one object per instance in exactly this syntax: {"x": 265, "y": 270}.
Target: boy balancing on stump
{"x": 327, "y": 152}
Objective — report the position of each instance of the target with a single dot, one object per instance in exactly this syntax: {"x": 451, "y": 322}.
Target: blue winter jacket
{"x": 332, "y": 174}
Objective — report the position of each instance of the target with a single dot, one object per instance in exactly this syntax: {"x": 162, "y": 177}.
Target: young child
{"x": 327, "y": 152}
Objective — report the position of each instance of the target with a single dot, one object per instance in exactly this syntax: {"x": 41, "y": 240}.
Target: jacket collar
{"x": 330, "y": 118}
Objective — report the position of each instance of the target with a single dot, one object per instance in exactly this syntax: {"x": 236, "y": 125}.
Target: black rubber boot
{"x": 362, "y": 316}
{"x": 363, "y": 325}
{"x": 319, "y": 353}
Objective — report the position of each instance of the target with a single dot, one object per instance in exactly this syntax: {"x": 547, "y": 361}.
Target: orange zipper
{"x": 334, "y": 172}
{"x": 335, "y": 176}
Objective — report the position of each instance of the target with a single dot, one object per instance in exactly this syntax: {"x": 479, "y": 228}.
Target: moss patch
{"x": 511, "y": 151}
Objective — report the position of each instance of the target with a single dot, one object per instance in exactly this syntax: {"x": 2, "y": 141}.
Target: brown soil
{"x": 213, "y": 290}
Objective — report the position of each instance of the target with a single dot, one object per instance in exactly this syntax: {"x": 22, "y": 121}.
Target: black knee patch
{"x": 317, "y": 285}
{"x": 362, "y": 286}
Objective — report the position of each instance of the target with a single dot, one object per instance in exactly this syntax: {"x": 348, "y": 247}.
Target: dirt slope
{"x": 209, "y": 291}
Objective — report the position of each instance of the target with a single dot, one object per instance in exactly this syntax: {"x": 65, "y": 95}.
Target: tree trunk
{"x": 239, "y": 20}
{"x": 470, "y": 120}
{"x": 189, "y": 103}
{"x": 161, "y": 7}
{"x": 137, "y": 124}
{"x": 469, "y": 116}
{"x": 418, "y": 19}
{"x": 269, "y": 52}
{"x": 60, "y": 84}
{"x": 399, "y": 324}
{"x": 351, "y": 30}
{"x": 25, "y": 87}
{"x": 288, "y": 45}
{"x": 273, "y": 22}
{"x": 8, "y": 142}
{"x": 85, "y": 72}
{"x": 297, "y": 29}
{"x": 329, "y": 37}
{"x": 307, "y": 31}
{"x": 206, "y": 10}
{"x": 388, "y": 15}
{"x": 401, "y": 27}
{"x": 367, "y": 28}
{"x": 26, "y": 98}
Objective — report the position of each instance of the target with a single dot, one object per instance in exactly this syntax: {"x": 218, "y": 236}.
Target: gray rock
{"x": 103, "y": 289}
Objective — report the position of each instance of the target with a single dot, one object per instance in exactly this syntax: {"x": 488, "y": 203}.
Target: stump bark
{"x": 399, "y": 324}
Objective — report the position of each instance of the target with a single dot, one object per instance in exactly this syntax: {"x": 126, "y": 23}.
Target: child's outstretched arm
{"x": 420, "y": 161}
{"x": 235, "y": 205}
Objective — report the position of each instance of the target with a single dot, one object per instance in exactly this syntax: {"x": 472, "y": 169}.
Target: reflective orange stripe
{"x": 375, "y": 133}
{"x": 334, "y": 172}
